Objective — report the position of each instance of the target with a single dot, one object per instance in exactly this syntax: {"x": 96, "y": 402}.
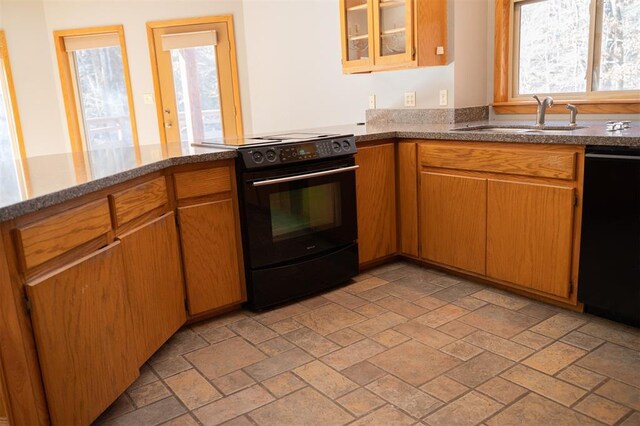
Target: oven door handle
{"x": 305, "y": 176}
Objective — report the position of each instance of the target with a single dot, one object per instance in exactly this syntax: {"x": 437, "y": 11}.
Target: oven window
{"x": 306, "y": 210}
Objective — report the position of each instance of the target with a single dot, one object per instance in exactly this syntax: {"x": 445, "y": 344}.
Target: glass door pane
{"x": 195, "y": 79}
{"x": 357, "y": 17}
{"x": 393, "y": 27}
{"x": 102, "y": 93}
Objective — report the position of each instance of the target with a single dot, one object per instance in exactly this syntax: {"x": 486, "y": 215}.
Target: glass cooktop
{"x": 267, "y": 139}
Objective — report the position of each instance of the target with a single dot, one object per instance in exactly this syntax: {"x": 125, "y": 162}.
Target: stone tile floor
{"x": 401, "y": 345}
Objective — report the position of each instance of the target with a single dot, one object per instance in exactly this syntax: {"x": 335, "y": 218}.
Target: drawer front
{"x": 134, "y": 202}
{"x": 56, "y": 235}
{"x": 539, "y": 163}
{"x": 202, "y": 182}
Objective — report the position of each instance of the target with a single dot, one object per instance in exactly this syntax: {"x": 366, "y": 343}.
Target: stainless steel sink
{"x": 517, "y": 129}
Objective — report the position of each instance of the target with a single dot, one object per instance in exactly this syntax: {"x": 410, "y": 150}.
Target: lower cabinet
{"x": 530, "y": 235}
{"x": 154, "y": 283}
{"x": 82, "y": 325}
{"x": 454, "y": 214}
{"x": 376, "y": 197}
{"x": 4, "y": 412}
{"x": 210, "y": 254}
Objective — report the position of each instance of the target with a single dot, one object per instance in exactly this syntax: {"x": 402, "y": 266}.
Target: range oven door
{"x": 294, "y": 212}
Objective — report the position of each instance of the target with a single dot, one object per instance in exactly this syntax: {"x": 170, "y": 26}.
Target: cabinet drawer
{"x": 56, "y": 235}
{"x": 202, "y": 182}
{"x": 514, "y": 161}
{"x": 134, "y": 202}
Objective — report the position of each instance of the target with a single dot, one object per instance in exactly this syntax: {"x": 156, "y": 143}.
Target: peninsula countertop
{"x": 34, "y": 183}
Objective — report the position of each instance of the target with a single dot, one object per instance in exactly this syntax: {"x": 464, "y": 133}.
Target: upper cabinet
{"x": 381, "y": 35}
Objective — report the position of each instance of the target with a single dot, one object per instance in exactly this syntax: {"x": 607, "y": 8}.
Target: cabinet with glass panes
{"x": 382, "y": 35}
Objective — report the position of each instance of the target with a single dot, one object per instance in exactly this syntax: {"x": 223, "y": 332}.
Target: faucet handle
{"x": 549, "y": 101}
{"x": 573, "y": 113}
{"x": 537, "y": 99}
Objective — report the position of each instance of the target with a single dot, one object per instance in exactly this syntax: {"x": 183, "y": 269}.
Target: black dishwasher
{"x": 609, "y": 279}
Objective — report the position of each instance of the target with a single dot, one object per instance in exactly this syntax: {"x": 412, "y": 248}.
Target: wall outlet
{"x": 440, "y": 50}
{"x": 372, "y": 101}
{"x": 410, "y": 99}
{"x": 444, "y": 100}
{"x": 148, "y": 99}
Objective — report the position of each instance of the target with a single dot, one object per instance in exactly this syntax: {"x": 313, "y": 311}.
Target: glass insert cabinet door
{"x": 393, "y": 26}
{"x": 357, "y": 27}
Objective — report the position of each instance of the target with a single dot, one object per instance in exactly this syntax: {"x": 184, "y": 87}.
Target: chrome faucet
{"x": 542, "y": 109}
{"x": 573, "y": 113}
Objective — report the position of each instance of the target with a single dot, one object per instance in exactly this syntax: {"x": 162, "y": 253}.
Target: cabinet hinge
{"x": 413, "y": 52}
{"x": 27, "y": 304}
{"x": 576, "y": 199}
{"x": 570, "y": 288}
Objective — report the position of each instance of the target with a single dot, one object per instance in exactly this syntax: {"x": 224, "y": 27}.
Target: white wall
{"x": 295, "y": 71}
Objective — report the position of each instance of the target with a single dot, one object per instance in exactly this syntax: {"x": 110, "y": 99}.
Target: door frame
{"x": 222, "y": 19}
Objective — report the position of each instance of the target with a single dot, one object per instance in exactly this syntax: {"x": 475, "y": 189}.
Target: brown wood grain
{"x": 198, "y": 183}
{"x": 376, "y": 201}
{"x": 515, "y": 161}
{"x": 453, "y": 219}
{"x": 210, "y": 255}
{"x": 140, "y": 199}
{"x": 431, "y": 32}
{"x": 4, "y": 411}
{"x": 154, "y": 283}
{"x": 501, "y": 51}
{"x": 82, "y": 325}
{"x": 408, "y": 198}
{"x": 530, "y": 235}
{"x": 25, "y": 397}
{"x": 50, "y": 237}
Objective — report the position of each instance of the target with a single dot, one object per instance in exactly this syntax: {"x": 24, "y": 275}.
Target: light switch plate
{"x": 440, "y": 50}
{"x": 372, "y": 101}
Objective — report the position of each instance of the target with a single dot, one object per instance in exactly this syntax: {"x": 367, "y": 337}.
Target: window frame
{"x": 70, "y": 90}
{"x": 504, "y": 101}
{"x": 18, "y": 147}
{"x": 221, "y": 19}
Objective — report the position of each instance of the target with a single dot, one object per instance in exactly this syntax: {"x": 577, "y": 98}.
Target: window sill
{"x": 585, "y": 106}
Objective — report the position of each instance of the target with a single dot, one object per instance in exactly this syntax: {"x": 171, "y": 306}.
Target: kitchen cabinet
{"x": 4, "y": 412}
{"x": 154, "y": 283}
{"x": 82, "y": 326}
{"x": 507, "y": 213}
{"x": 376, "y": 201}
{"x": 210, "y": 250}
{"x": 530, "y": 235}
{"x": 454, "y": 220}
{"x": 407, "y": 187}
{"x": 380, "y": 35}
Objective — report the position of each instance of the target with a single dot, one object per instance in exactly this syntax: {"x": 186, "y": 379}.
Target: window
{"x": 95, "y": 79}
{"x": 195, "y": 71}
{"x": 12, "y": 186}
{"x": 583, "y": 51}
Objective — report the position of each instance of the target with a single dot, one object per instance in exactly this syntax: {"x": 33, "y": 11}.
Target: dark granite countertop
{"x": 38, "y": 182}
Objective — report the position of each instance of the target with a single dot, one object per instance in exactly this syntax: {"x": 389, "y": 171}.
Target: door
{"x": 293, "y": 213}
{"x": 197, "y": 78}
{"x": 210, "y": 253}
{"x": 357, "y": 35}
{"x": 530, "y": 235}
{"x": 82, "y": 326}
{"x": 376, "y": 195}
{"x": 393, "y": 29}
{"x": 154, "y": 283}
{"x": 453, "y": 216}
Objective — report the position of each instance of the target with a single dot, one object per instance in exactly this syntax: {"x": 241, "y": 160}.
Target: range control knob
{"x": 258, "y": 157}
{"x": 346, "y": 145}
{"x": 336, "y": 146}
{"x": 271, "y": 155}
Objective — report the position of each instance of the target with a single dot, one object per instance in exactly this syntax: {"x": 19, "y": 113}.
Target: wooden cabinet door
{"x": 453, "y": 219}
{"x": 210, "y": 255}
{"x": 530, "y": 234}
{"x": 376, "y": 197}
{"x": 4, "y": 411}
{"x": 409, "y": 237}
{"x": 83, "y": 330}
{"x": 154, "y": 283}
